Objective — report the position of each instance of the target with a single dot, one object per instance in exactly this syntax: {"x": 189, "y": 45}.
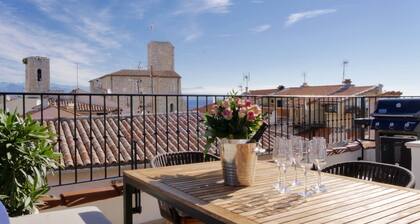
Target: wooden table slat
{"x": 200, "y": 187}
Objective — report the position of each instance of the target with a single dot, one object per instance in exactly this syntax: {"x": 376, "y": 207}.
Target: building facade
{"x": 159, "y": 78}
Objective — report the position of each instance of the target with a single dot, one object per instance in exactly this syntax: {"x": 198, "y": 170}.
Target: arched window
{"x": 39, "y": 75}
{"x": 171, "y": 107}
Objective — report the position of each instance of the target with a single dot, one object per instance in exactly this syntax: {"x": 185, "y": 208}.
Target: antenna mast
{"x": 344, "y": 69}
{"x": 246, "y": 78}
{"x": 77, "y": 75}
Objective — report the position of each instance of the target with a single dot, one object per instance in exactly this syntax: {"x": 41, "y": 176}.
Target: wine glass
{"x": 320, "y": 154}
{"x": 306, "y": 163}
{"x": 281, "y": 156}
{"x": 296, "y": 156}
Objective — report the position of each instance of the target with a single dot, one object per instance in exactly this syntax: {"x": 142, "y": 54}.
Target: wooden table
{"x": 198, "y": 190}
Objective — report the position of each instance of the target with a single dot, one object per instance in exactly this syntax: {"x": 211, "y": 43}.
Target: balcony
{"x": 102, "y": 135}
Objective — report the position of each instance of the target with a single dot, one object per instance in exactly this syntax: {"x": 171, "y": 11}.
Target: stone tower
{"x": 37, "y": 74}
{"x": 160, "y": 56}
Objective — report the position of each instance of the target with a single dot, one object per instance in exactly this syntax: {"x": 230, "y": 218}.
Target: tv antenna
{"x": 246, "y": 78}
{"x": 140, "y": 66}
{"x": 77, "y": 76}
{"x": 345, "y": 62}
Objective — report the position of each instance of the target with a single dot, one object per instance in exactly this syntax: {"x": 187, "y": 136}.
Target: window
{"x": 39, "y": 75}
{"x": 171, "y": 107}
{"x": 331, "y": 108}
{"x": 279, "y": 103}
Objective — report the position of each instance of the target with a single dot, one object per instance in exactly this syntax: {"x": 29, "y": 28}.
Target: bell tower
{"x": 37, "y": 74}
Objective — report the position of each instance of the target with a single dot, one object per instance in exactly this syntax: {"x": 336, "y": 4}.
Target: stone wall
{"x": 37, "y": 74}
{"x": 160, "y": 56}
{"x": 143, "y": 85}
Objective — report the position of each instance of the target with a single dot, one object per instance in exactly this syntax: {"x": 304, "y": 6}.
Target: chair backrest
{"x": 373, "y": 171}
{"x": 179, "y": 158}
{"x": 4, "y": 216}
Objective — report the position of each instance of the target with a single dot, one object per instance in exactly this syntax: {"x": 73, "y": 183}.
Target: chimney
{"x": 280, "y": 87}
{"x": 347, "y": 82}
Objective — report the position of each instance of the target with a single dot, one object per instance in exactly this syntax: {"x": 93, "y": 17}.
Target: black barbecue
{"x": 395, "y": 121}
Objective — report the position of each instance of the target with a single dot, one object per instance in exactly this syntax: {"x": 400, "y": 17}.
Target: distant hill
{"x": 18, "y": 87}
{"x": 11, "y": 87}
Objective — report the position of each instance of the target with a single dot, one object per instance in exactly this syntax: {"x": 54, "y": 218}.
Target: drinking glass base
{"x": 306, "y": 194}
{"x": 319, "y": 188}
{"x": 296, "y": 183}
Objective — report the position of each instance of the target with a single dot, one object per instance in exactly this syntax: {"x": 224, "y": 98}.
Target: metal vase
{"x": 238, "y": 162}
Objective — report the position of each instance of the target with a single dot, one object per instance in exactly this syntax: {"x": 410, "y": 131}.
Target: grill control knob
{"x": 407, "y": 125}
{"x": 391, "y": 125}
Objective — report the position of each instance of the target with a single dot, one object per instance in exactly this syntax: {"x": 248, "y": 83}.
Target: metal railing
{"x": 100, "y": 135}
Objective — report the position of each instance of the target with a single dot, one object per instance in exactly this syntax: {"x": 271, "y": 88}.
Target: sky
{"x": 217, "y": 41}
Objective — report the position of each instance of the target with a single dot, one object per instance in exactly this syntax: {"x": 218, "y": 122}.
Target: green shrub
{"x": 26, "y": 156}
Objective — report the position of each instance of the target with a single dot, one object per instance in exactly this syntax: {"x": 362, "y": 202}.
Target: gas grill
{"x": 395, "y": 121}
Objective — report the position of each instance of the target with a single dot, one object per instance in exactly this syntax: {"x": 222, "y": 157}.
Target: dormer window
{"x": 39, "y": 75}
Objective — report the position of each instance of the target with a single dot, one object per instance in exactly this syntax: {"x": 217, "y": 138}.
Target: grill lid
{"x": 398, "y": 108}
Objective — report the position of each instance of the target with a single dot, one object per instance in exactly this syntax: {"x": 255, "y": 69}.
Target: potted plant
{"x": 26, "y": 156}
{"x": 234, "y": 121}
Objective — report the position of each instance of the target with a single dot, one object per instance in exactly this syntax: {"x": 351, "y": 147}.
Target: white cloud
{"x": 296, "y": 17}
{"x": 261, "y": 28}
{"x": 21, "y": 38}
{"x": 89, "y": 22}
{"x": 204, "y": 6}
{"x": 192, "y": 36}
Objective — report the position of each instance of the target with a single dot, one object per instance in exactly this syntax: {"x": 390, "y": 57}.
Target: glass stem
{"x": 279, "y": 176}
{"x": 284, "y": 175}
{"x": 319, "y": 176}
{"x": 296, "y": 177}
{"x": 305, "y": 172}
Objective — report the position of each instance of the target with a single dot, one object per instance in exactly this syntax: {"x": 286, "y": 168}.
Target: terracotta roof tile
{"x": 76, "y": 144}
{"x": 263, "y": 91}
{"x": 141, "y": 73}
{"x": 326, "y": 90}
{"x": 68, "y": 105}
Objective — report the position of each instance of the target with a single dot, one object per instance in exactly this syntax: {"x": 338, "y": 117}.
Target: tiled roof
{"x": 142, "y": 73}
{"x": 326, "y": 90}
{"x": 263, "y": 92}
{"x": 82, "y": 107}
{"x": 191, "y": 137}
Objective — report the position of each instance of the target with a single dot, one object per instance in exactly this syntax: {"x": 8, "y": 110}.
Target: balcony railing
{"x": 100, "y": 135}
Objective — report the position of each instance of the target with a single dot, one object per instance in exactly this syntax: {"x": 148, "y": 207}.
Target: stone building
{"x": 37, "y": 74}
{"x": 159, "y": 78}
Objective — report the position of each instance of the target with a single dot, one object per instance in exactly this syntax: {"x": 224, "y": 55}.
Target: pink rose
{"x": 242, "y": 112}
{"x": 227, "y": 114}
{"x": 247, "y": 103}
{"x": 251, "y": 116}
{"x": 256, "y": 109}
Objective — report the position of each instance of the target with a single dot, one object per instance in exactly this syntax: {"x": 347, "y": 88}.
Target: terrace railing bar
{"x": 100, "y": 135}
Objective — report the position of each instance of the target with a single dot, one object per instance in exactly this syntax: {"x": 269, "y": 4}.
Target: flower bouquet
{"x": 234, "y": 121}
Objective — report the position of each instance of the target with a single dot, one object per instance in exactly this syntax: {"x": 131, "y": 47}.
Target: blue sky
{"x": 216, "y": 41}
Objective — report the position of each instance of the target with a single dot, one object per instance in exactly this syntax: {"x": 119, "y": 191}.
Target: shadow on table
{"x": 209, "y": 187}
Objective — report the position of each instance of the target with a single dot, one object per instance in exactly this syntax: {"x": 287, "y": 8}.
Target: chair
{"x": 373, "y": 171}
{"x": 4, "y": 216}
{"x": 178, "y": 158}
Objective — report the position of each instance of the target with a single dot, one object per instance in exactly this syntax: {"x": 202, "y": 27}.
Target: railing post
{"x": 362, "y": 115}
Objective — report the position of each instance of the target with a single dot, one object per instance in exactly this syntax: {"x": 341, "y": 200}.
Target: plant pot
{"x": 238, "y": 162}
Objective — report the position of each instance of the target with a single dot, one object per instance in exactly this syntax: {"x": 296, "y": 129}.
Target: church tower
{"x": 160, "y": 56}
{"x": 37, "y": 74}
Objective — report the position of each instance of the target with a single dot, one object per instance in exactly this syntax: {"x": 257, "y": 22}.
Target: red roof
{"x": 326, "y": 90}
{"x": 75, "y": 137}
{"x": 262, "y": 91}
